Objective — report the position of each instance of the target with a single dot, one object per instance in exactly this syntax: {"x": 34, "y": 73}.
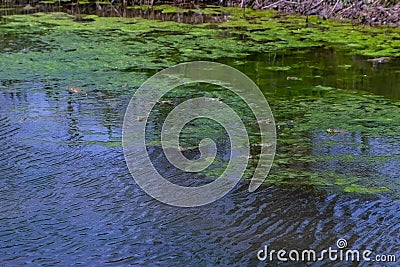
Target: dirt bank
{"x": 360, "y": 12}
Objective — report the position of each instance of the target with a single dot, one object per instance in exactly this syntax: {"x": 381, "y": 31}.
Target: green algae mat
{"x": 329, "y": 137}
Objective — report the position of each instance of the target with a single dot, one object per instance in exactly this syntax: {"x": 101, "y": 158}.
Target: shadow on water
{"x": 294, "y": 71}
{"x": 67, "y": 198}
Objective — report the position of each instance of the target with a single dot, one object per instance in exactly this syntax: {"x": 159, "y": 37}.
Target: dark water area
{"x": 67, "y": 197}
{"x": 185, "y": 13}
{"x": 325, "y": 66}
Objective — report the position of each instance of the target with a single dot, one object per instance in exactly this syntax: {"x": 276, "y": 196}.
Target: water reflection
{"x": 192, "y": 15}
{"x": 68, "y": 205}
{"x": 321, "y": 66}
{"x": 66, "y": 196}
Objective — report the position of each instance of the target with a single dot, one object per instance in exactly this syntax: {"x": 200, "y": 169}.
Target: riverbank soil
{"x": 362, "y": 12}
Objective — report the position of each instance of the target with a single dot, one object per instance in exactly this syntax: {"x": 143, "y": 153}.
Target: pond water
{"x": 67, "y": 197}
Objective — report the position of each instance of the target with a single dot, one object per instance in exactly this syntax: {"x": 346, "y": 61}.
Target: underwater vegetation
{"x": 328, "y": 137}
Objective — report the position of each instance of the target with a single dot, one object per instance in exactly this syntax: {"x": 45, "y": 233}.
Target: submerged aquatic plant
{"x": 110, "y": 57}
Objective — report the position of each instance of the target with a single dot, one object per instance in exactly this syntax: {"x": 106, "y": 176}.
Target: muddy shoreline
{"x": 373, "y": 13}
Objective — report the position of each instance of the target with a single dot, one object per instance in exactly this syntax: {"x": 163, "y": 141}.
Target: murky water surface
{"x": 66, "y": 195}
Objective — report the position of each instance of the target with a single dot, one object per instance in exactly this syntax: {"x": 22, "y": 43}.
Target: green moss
{"x": 109, "y": 144}
{"x": 49, "y": 2}
{"x": 292, "y": 32}
{"x": 208, "y": 10}
{"x": 278, "y": 68}
{"x": 353, "y": 188}
{"x": 6, "y": 8}
{"x": 93, "y": 17}
{"x": 343, "y": 181}
{"x": 274, "y": 33}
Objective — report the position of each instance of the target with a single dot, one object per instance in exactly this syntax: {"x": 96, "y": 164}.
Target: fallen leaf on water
{"x": 76, "y": 90}
{"x": 141, "y": 118}
{"x": 330, "y": 130}
{"x": 22, "y": 120}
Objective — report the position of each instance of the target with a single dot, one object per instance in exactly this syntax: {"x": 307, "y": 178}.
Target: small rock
{"x": 22, "y": 120}
{"x": 330, "y": 130}
{"x": 165, "y": 102}
{"x": 75, "y": 90}
{"x": 293, "y": 78}
{"x": 28, "y": 7}
{"x": 215, "y": 99}
{"x": 141, "y": 118}
{"x": 267, "y": 121}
